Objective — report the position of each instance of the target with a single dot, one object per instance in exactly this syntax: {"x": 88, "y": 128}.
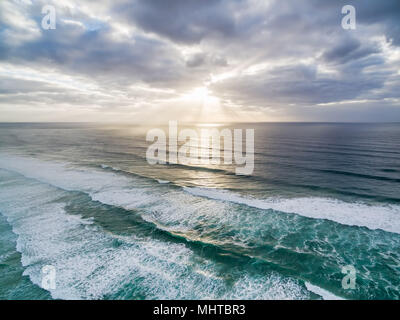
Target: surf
{"x": 92, "y": 263}
{"x": 226, "y": 222}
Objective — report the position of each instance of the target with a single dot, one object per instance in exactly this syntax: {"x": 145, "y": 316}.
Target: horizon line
{"x": 190, "y": 122}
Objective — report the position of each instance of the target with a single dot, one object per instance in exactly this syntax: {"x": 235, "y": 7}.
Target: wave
{"x": 386, "y": 218}
{"x": 360, "y": 175}
{"x": 163, "y": 181}
{"x": 389, "y": 170}
{"x": 117, "y": 190}
{"x": 331, "y": 191}
{"x": 130, "y": 173}
{"x": 213, "y": 217}
{"x": 326, "y": 295}
{"x": 260, "y": 179}
{"x": 91, "y": 263}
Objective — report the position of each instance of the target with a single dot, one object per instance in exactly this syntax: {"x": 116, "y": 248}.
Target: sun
{"x": 204, "y": 105}
{"x": 200, "y": 94}
{"x": 204, "y": 97}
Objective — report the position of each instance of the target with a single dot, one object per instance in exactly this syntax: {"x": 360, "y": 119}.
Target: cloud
{"x": 295, "y": 84}
{"x": 349, "y": 50}
{"x": 184, "y": 21}
{"x": 203, "y": 59}
{"x": 263, "y": 58}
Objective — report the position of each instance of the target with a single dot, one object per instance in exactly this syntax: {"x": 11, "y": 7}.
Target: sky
{"x": 199, "y": 60}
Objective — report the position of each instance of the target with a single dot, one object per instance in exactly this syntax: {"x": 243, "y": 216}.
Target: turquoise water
{"x": 83, "y": 199}
{"x": 14, "y": 284}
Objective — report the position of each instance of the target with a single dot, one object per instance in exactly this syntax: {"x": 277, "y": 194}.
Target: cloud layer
{"x": 242, "y": 60}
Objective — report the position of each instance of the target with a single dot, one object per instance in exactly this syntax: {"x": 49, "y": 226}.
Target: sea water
{"x": 83, "y": 199}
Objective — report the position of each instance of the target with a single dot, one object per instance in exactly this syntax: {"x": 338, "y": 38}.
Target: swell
{"x": 258, "y": 260}
{"x": 255, "y": 256}
{"x": 360, "y": 175}
{"x": 261, "y": 179}
{"x": 82, "y": 234}
{"x": 186, "y": 167}
{"x": 337, "y": 147}
{"x": 98, "y": 214}
{"x": 385, "y": 218}
{"x": 159, "y": 181}
{"x": 332, "y": 191}
{"x": 135, "y": 224}
{"x": 266, "y": 155}
{"x": 84, "y": 181}
{"x": 240, "y": 257}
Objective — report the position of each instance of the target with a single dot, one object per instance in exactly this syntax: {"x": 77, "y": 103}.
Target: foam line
{"x": 384, "y": 217}
{"x": 90, "y": 266}
{"x": 115, "y": 189}
{"x": 326, "y": 295}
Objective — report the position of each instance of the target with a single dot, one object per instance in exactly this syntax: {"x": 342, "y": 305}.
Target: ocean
{"x": 83, "y": 199}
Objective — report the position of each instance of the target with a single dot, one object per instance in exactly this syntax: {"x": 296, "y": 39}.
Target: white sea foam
{"x": 272, "y": 287}
{"x": 105, "y": 166}
{"x": 384, "y": 217}
{"x": 63, "y": 175}
{"x": 326, "y": 295}
{"x": 90, "y": 266}
{"x": 114, "y": 189}
{"x": 163, "y": 181}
